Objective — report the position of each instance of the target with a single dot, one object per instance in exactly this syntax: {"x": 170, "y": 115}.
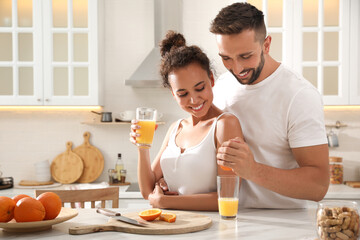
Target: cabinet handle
{"x": 46, "y": 99}
{"x": 39, "y": 99}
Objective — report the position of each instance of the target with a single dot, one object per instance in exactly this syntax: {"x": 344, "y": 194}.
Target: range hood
{"x": 167, "y": 16}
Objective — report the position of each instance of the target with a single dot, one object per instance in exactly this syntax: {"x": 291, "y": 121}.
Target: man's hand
{"x": 236, "y": 154}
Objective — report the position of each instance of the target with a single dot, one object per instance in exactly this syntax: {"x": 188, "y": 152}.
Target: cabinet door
{"x": 324, "y": 50}
{"x": 312, "y": 37}
{"x": 20, "y": 52}
{"x": 355, "y": 53}
{"x": 70, "y": 52}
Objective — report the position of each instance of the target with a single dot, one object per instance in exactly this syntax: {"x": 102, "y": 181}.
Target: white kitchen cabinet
{"x": 319, "y": 39}
{"x": 50, "y": 52}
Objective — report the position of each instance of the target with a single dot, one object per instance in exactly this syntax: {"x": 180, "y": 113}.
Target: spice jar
{"x": 336, "y": 170}
{"x": 336, "y": 219}
{"x": 112, "y": 176}
{"x": 122, "y": 175}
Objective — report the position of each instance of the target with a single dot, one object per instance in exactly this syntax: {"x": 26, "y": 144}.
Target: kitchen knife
{"x": 117, "y": 216}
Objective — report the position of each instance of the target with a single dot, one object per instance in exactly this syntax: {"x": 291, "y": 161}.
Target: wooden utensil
{"x": 353, "y": 184}
{"x": 67, "y": 167}
{"x": 34, "y": 183}
{"x": 92, "y": 158}
{"x": 185, "y": 222}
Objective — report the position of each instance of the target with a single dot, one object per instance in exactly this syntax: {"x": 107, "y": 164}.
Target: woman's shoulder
{"x": 174, "y": 124}
{"x": 227, "y": 118}
{"x": 227, "y": 127}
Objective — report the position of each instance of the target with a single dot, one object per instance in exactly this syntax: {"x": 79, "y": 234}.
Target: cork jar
{"x": 336, "y": 170}
{"x": 337, "y": 219}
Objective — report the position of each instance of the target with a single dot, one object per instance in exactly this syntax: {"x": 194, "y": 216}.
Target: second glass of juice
{"x": 146, "y": 120}
{"x": 228, "y": 200}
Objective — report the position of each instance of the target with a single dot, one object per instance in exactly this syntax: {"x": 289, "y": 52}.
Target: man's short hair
{"x": 238, "y": 17}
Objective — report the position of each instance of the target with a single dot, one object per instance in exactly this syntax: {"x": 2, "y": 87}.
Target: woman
{"x": 187, "y": 158}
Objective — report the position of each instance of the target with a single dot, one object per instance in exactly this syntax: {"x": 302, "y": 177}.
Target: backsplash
{"x": 349, "y": 139}
{"x": 29, "y": 136}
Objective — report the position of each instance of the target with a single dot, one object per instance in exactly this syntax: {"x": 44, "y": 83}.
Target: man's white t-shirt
{"x": 281, "y": 112}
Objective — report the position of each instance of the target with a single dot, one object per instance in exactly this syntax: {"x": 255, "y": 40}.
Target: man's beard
{"x": 255, "y": 72}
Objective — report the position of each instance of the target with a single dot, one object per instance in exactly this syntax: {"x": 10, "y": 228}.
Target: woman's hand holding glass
{"x": 143, "y": 128}
{"x": 133, "y": 134}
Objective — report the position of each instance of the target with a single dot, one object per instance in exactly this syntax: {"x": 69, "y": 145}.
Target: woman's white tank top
{"x": 193, "y": 171}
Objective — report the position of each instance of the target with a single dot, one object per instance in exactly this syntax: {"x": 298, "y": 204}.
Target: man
{"x": 284, "y": 159}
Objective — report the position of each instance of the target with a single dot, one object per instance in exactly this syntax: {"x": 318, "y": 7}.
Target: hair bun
{"x": 172, "y": 40}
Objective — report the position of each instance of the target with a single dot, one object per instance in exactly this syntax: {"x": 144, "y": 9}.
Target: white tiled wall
{"x": 28, "y": 136}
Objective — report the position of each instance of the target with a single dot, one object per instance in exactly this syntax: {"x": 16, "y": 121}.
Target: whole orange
{"x": 7, "y": 206}
{"x": 18, "y": 197}
{"x": 29, "y": 209}
{"x": 52, "y": 203}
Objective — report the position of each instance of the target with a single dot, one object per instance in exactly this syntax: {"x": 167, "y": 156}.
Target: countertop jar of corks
{"x": 336, "y": 170}
{"x": 336, "y": 219}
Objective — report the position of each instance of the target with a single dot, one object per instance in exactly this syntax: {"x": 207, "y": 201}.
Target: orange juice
{"x": 146, "y": 132}
{"x": 228, "y": 207}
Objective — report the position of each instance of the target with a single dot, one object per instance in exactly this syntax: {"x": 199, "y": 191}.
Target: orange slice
{"x": 150, "y": 214}
{"x": 225, "y": 168}
{"x": 168, "y": 217}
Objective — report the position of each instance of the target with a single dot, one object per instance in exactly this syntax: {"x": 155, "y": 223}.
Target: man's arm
{"x": 310, "y": 181}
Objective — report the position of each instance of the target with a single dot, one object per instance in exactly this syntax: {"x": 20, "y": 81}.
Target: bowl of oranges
{"x": 23, "y": 213}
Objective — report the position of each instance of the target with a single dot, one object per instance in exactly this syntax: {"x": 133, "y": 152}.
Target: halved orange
{"x": 168, "y": 217}
{"x": 150, "y": 214}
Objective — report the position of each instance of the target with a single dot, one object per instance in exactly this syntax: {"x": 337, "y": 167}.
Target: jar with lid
{"x": 122, "y": 175}
{"x": 337, "y": 219}
{"x": 112, "y": 176}
{"x": 336, "y": 170}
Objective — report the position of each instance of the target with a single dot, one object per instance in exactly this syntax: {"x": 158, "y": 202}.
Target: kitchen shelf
{"x": 114, "y": 123}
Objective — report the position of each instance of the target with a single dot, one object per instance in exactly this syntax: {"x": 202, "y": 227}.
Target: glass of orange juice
{"x": 228, "y": 200}
{"x": 146, "y": 118}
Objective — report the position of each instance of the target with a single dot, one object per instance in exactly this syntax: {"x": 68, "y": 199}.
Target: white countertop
{"x": 251, "y": 224}
{"x": 341, "y": 191}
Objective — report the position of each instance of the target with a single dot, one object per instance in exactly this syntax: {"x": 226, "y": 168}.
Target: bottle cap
{"x": 119, "y": 155}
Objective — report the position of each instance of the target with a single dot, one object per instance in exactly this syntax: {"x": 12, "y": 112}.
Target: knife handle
{"x": 107, "y": 212}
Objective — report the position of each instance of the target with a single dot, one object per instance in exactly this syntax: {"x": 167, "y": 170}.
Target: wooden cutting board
{"x": 67, "y": 167}
{"x": 185, "y": 222}
{"x": 92, "y": 158}
{"x": 353, "y": 184}
{"x": 34, "y": 183}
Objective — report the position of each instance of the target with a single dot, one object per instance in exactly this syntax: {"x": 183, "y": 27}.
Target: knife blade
{"x": 118, "y": 217}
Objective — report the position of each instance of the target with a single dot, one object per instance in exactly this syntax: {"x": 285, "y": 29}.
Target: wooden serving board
{"x": 119, "y": 184}
{"x": 353, "y": 184}
{"x": 185, "y": 222}
{"x": 34, "y": 183}
{"x": 67, "y": 167}
{"x": 92, "y": 158}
